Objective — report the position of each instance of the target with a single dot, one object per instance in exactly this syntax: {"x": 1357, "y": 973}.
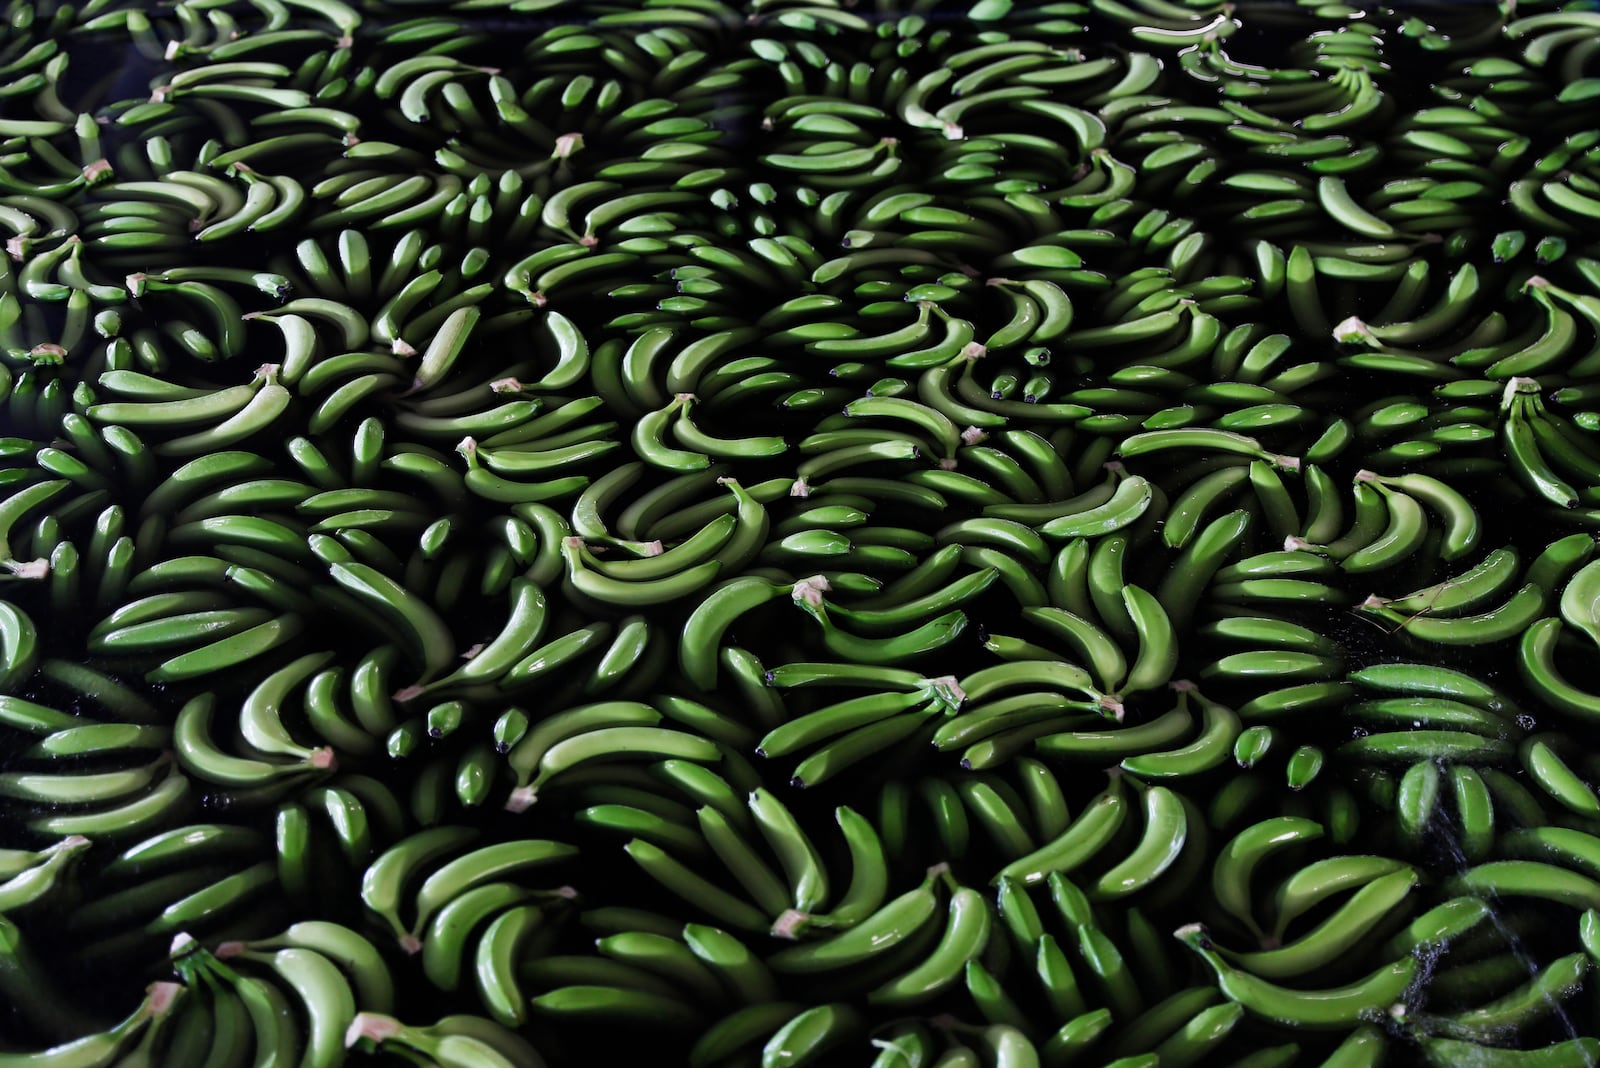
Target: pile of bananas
{"x": 905, "y": 533}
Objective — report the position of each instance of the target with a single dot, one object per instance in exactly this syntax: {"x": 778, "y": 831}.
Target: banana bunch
{"x": 35, "y": 401}
{"x": 1545, "y": 452}
{"x": 246, "y": 1003}
{"x": 54, "y": 271}
{"x": 453, "y": 770}
{"x": 789, "y": 905}
{"x": 59, "y": 151}
{"x": 29, "y": 219}
{"x": 377, "y": 198}
{"x": 588, "y": 735}
{"x": 138, "y": 1034}
{"x": 257, "y": 773}
{"x": 357, "y": 279}
{"x": 900, "y": 952}
{"x": 1569, "y": 578}
{"x": 1372, "y": 892}
{"x": 1161, "y": 855}
{"x": 1381, "y": 990}
{"x": 1420, "y": 315}
{"x": 1481, "y": 604}
{"x": 603, "y": 659}
{"x": 842, "y": 733}
{"x": 1082, "y": 998}
{"x": 135, "y": 218}
{"x": 1555, "y": 196}
{"x": 667, "y": 980}
{"x": 40, "y": 878}
{"x": 215, "y": 419}
{"x": 1475, "y": 1002}
{"x": 1441, "y": 715}
{"x": 1012, "y": 815}
{"x": 209, "y": 627}
{"x": 485, "y": 932}
{"x": 427, "y": 887}
{"x": 135, "y": 783}
{"x": 156, "y": 888}
{"x": 457, "y": 1041}
{"x": 1404, "y": 430}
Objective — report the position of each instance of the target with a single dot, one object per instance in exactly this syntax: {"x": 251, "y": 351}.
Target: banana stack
{"x": 923, "y": 535}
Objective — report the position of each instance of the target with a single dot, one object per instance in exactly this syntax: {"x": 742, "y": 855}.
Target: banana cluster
{"x": 799, "y": 533}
